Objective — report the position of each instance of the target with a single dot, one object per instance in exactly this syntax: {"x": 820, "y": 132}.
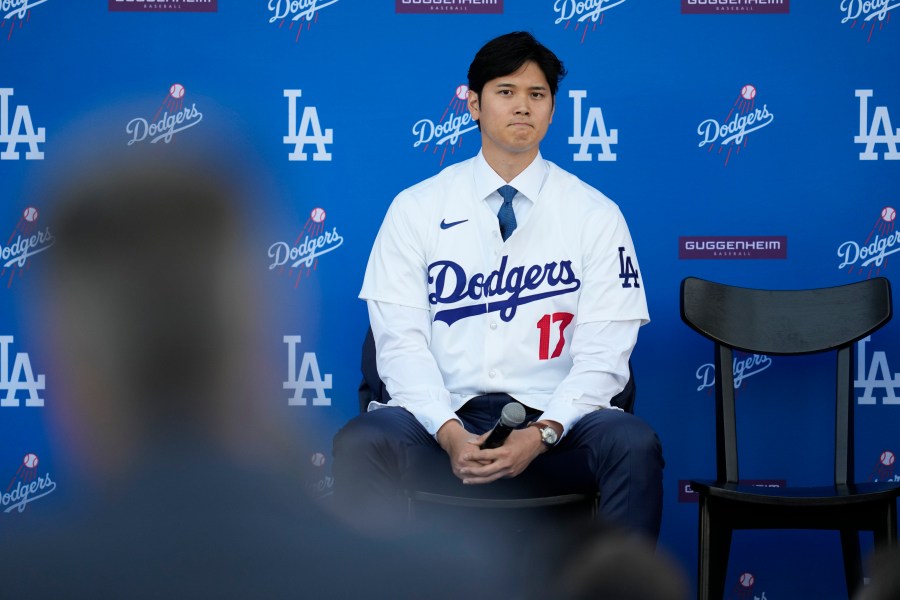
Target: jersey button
{"x": 493, "y": 326}
{"x": 492, "y": 373}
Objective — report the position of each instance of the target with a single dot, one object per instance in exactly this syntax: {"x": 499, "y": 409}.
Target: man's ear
{"x": 473, "y": 105}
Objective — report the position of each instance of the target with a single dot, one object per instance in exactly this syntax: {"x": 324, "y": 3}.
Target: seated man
{"x": 503, "y": 277}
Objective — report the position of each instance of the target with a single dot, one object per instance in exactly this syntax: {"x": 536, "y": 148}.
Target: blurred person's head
{"x": 608, "y": 563}
{"x": 156, "y": 317}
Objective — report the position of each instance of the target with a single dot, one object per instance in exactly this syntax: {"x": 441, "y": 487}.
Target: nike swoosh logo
{"x": 446, "y": 225}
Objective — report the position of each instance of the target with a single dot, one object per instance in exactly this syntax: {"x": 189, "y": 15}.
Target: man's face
{"x": 514, "y": 112}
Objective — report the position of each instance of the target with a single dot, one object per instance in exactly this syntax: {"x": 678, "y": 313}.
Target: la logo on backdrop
{"x": 171, "y": 118}
{"x": 877, "y": 132}
{"x": 20, "y": 378}
{"x": 868, "y": 14}
{"x": 580, "y": 16}
{"x": 302, "y": 257}
{"x": 298, "y": 12}
{"x": 743, "y": 119}
{"x": 447, "y": 132}
{"x": 26, "y": 486}
{"x": 20, "y": 131}
{"x": 25, "y": 241}
{"x": 309, "y": 132}
{"x": 15, "y": 13}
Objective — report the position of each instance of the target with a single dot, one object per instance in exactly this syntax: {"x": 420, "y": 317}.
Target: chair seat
{"x": 828, "y": 495}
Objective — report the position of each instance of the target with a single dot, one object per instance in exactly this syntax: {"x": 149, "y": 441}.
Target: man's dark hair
{"x": 506, "y": 54}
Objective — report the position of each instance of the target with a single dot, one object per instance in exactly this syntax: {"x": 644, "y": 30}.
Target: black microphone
{"x": 512, "y": 415}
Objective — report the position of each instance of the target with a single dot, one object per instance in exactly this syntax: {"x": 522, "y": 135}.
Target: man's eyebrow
{"x": 513, "y": 85}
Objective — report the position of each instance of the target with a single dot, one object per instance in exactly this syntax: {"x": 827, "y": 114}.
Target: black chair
{"x": 373, "y": 389}
{"x": 791, "y": 322}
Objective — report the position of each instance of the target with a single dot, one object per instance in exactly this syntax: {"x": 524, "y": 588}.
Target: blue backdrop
{"x": 753, "y": 149}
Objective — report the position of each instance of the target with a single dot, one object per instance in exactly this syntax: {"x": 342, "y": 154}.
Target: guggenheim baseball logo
{"x": 732, "y": 247}
{"x": 172, "y": 117}
{"x": 472, "y": 7}
{"x": 732, "y": 132}
{"x": 298, "y": 12}
{"x": 26, "y": 486}
{"x": 25, "y": 241}
{"x": 447, "y": 132}
{"x": 302, "y": 257}
{"x": 724, "y": 7}
{"x": 869, "y": 257}
{"x": 22, "y": 130}
{"x": 586, "y": 14}
{"x": 163, "y": 5}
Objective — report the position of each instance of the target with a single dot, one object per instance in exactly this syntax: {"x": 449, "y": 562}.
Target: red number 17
{"x": 563, "y": 318}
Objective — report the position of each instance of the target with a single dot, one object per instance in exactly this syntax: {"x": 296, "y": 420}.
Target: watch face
{"x": 548, "y": 435}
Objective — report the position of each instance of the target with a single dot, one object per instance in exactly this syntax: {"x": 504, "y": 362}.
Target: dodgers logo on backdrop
{"x": 587, "y": 14}
{"x": 447, "y": 132}
{"x": 309, "y": 133}
{"x": 172, "y": 117}
{"x": 21, "y": 131}
{"x": 163, "y": 5}
{"x": 868, "y": 13}
{"x": 742, "y": 368}
{"x": 877, "y": 375}
{"x": 883, "y": 470}
{"x": 878, "y": 131}
{"x": 743, "y": 119}
{"x": 501, "y": 289}
{"x": 14, "y": 13}
{"x": 732, "y": 247}
{"x": 307, "y": 378}
{"x": 299, "y": 12}
{"x": 324, "y": 485}
{"x": 725, "y": 7}
{"x": 591, "y": 132}
{"x": 25, "y": 241}
{"x": 746, "y": 588}
{"x": 478, "y": 7}
{"x": 26, "y": 486}
{"x": 870, "y": 256}
{"x": 313, "y": 241}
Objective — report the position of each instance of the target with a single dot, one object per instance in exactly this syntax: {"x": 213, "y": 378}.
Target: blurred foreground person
{"x": 884, "y": 583}
{"x": 608, "y": 563}
{"x": 191, "y": 487}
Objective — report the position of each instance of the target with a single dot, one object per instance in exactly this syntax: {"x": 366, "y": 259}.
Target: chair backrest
{"x": 371, "y": 388}
{"x": 784, "y": 322}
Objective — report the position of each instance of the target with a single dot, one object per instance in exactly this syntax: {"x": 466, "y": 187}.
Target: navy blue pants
{"x": 381, "y": 452}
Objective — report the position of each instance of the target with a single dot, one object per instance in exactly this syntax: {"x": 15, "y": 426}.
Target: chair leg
{"x": 886, "y": 537}
{"x": 852, "y": 560}
{"x": 713, "y": 551}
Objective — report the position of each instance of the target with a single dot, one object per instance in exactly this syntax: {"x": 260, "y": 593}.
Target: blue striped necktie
{"x": 506, "y": 216}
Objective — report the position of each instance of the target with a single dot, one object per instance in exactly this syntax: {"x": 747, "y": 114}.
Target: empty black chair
{"x": 787, "y": 322}
{"x": 373, "y": 389}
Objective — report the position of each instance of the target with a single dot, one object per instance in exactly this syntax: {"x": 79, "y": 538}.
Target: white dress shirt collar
{"x": 528, "y": 183}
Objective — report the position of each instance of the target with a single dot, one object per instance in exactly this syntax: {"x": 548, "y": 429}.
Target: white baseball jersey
{"x": 502, "y": 313}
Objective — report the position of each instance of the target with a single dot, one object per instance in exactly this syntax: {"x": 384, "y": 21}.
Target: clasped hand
{"x": 474, "y": 466}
